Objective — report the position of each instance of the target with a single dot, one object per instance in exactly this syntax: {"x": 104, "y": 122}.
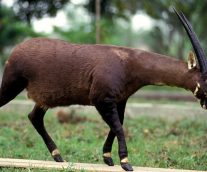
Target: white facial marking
{"x": 196, "y": 91}
{"x": 198, "y": 85}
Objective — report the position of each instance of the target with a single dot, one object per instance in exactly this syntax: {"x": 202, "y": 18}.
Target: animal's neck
{"x": 156, "y": 69}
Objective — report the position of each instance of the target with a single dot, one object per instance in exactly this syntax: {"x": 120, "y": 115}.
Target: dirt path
{"x": 29, "y": 164}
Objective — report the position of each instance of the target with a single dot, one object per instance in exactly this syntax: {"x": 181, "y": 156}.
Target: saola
{"x": 56, "y": 73}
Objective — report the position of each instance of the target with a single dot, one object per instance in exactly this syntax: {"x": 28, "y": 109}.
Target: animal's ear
{"x": 192, "y": 63}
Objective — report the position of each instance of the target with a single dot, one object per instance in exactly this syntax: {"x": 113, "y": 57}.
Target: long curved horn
{"x": 195, "y": 42}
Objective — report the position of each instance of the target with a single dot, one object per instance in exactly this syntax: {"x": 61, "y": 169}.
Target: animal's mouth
{"x": 203, "y": 103}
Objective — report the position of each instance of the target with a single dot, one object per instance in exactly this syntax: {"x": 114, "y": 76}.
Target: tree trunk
{"x": 98, "y": 15}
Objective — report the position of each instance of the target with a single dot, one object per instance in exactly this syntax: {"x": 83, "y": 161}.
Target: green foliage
{"x": 12, "y": 31}
{"x": 84, "y": 33}
{"x": 115, "y": 9}
{"x": 80, "y": 33}
{"x": 167, "y": 35}
{"x": 82, "y": 29}
{"x": 27, "y": 10}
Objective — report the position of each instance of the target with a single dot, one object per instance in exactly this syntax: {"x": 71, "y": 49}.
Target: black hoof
{"x": 126, "y": 166}
{"x": 108, "y": 161}
{"x": 58, "y": 158}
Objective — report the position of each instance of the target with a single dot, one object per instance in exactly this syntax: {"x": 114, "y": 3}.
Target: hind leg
{"x": 111, "y": 135}
{"x": 12, "y": 84}
{"x": 36, "y": 118}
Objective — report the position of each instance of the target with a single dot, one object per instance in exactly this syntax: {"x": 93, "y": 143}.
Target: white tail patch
{"x": 191, "y": 60}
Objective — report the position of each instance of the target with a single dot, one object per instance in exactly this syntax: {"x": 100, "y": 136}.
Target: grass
{"x": 151, "y": 142}
{"x": 163, "y": 88}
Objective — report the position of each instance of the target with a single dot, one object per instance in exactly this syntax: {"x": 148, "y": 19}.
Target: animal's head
{"x": 201, "y": 89}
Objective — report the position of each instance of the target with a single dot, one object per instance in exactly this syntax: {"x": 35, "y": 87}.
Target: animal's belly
{"x": 58, "y": 97}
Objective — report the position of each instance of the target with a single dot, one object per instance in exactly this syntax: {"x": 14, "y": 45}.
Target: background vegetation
{"x": 165, "y": 35}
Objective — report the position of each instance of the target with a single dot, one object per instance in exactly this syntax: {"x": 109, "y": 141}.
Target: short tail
{"x": 12, "y": 84}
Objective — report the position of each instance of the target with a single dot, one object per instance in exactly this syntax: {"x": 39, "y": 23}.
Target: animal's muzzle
{"x": 203, "y": 103}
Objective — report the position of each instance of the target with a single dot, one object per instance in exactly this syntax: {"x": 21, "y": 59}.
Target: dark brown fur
{"x": 56, "y": 73}
{"x": 59, "y": 73}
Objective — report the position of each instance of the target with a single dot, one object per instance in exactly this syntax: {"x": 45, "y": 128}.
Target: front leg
{"x": 111, "y": 135}
{"x": 108, "y": 110}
